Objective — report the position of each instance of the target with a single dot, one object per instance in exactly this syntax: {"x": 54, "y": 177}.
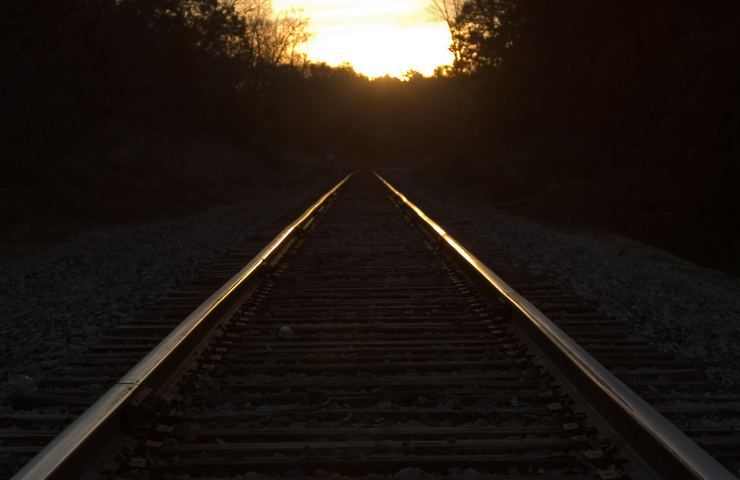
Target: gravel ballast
{"x": 55, "y": 303}
{"x": 677, "y": 305}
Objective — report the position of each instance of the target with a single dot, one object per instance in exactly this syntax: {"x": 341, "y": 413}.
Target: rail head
{"x": 49, "y": 461}
{"x": 695, "y": 460}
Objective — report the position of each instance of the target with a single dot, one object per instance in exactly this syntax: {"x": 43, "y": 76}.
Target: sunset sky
{"x": 377, "y": 37}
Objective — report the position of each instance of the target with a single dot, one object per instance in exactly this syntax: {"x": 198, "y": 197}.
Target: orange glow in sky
{"x": 377, "y": 37}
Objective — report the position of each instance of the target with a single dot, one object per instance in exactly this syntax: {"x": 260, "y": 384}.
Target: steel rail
{"x": 695, "y": 460}
{"x": 49, "y": 461}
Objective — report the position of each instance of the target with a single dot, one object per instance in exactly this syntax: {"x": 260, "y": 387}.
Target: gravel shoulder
{"x": 677, "y": 305}
{"x": 54, "y": 303}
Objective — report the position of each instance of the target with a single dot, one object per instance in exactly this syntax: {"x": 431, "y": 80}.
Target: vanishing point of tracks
{"x": 363, "y": 342}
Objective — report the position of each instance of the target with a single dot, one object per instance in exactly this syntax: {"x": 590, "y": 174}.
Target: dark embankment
{"x": 124, "y": 111}
{"x": 682, "y": 220}
{"x": 622, "y": 116}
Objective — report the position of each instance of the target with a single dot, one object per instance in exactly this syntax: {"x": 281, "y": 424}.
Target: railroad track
{"x": 363, "y": 342}
{"x": 30, "y": 420}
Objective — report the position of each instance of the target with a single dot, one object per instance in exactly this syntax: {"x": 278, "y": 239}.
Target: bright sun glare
{"x": 377, "y": 37}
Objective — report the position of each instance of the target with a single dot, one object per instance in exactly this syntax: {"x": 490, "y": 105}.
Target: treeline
{"x": 122, "y": 106}
{"x": 583, "y": 88}
{"x": 541, "y": 90}
{"x": 96, "y": 72}
{"x": 85, "y": 80}
{"x": 371, "y": 122}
